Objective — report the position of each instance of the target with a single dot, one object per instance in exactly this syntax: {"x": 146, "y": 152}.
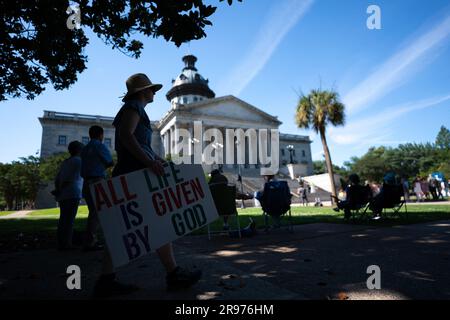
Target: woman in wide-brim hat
{"x": 137, "y": 83}
{"x": 133, "y": 140}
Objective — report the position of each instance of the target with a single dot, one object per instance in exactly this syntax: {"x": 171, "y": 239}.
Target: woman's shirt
{"x": 126, "y": 162}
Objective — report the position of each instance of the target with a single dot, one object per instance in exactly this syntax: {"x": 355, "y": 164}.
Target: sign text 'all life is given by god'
{"x": 140, "y": 212}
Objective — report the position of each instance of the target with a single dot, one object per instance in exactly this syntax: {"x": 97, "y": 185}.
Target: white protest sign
{"x": 140, "y": 212}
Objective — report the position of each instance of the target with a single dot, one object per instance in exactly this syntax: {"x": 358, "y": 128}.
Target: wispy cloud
{"x": 375, "y": 129}
{"x": 283, "y": 17}
{"x": 397, "y": 68}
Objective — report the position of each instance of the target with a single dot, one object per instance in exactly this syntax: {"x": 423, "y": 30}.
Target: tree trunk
{"x": 329, "y": 165}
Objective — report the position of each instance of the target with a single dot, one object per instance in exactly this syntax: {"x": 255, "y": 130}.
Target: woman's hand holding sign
{"x": 156, "y": 166}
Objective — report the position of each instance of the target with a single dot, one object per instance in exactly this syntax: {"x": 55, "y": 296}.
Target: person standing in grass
{"x": 405, "y": 185}
{"x": 302, "y": 193}
{"x": 418, "y": 190}
{"x": 96, "y": 158}
{"x": 133, "y": 138}
{"x": 68, "y": 185}
{"x": 425, "y": 186}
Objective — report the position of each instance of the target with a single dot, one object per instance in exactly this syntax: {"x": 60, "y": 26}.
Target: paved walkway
{"x": 17, "y": 215}
{"x": 317, "y": 261}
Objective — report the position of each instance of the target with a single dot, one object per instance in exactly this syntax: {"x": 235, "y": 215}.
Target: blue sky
{"x": 395, "y": 82}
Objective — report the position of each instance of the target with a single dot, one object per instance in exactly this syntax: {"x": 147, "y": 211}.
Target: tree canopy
{"x": 320, "y": 167}
{"x": 37, "y": 47}
{"x": 19, "y": 182}
{"x": 318, "y": 110}
{"x": 407, "y": 160}
{"x": 443, "y": 138}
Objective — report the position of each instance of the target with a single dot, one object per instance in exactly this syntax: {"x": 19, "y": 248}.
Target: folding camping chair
{"x": 224, "y": 196}
{"x": 276, "y": 201}
{"x": 390, "y": 198}
{"x": 394, "y": 200}
{"x": 357, "y": 201}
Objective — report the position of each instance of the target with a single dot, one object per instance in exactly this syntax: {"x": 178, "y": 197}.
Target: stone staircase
{"x": 254, "y": 183}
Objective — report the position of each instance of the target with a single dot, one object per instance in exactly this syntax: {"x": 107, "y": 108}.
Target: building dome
{"x": 189, "y": 86}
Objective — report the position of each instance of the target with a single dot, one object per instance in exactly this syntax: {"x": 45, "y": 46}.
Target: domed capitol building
{"x": 191, "y": 100}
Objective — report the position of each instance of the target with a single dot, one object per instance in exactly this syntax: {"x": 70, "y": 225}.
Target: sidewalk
{"x": 317, "y": 261}
{"x": 17, "y": 215}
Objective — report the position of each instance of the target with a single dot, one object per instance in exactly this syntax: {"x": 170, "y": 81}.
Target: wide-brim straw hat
{"x": 138, "y": 82}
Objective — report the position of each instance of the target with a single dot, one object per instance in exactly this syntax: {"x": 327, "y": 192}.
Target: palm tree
{"x": 316, "y": 111}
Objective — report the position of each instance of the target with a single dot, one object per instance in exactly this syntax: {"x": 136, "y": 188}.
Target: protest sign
{"x": 140, "y": 212}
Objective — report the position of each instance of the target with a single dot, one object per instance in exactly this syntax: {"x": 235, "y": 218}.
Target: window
{"x": 108, "y": 142}
{"x": 62, "y": 140}
{"x": 195, "y": 99}
{"x": 185, "y": 100}
{"x": 303, "y": 153}
{"x": 85, "y": 140}
{"x": 282, "y": 152}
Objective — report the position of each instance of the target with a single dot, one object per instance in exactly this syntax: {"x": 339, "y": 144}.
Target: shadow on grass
{"x": 32, "y": 233}
{"x": 39, "y": 231}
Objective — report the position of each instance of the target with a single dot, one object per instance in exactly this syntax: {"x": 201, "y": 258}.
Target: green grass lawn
{"x": 5, "y": 213}
{"x": 54, "y": 212}
{"x": 307, "y": 215}
{"x": 44, "y": 221}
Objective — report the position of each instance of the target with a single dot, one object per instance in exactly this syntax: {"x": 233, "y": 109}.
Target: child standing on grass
{"x": 68, "y": 185}
{"x": 96, "y": 158}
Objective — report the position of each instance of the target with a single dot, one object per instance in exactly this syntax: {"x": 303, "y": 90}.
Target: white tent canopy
{"x": 323, "y": 181}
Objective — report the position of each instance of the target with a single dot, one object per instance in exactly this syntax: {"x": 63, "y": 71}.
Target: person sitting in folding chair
{"x": 389, "y": 197}
{"x": 218, "y": 178}
{"x": 275, "y": 199}
{"x": 357, "y": 197}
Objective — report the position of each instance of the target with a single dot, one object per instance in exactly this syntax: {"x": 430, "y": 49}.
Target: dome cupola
{"x": 189, "y": 86}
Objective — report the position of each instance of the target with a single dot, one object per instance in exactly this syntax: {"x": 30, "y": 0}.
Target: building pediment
{"x": 227, "y": 107}
{"x": 232, "y": 107}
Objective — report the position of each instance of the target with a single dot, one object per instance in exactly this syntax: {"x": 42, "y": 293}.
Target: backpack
{"x": 276, "y": 198}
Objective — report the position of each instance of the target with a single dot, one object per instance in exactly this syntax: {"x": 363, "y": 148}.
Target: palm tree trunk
{"x": 329, "y": 164}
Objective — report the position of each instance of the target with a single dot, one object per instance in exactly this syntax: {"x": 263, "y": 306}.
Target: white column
{"x": 166, "y": 143}
{"x": 172, "y": 139}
